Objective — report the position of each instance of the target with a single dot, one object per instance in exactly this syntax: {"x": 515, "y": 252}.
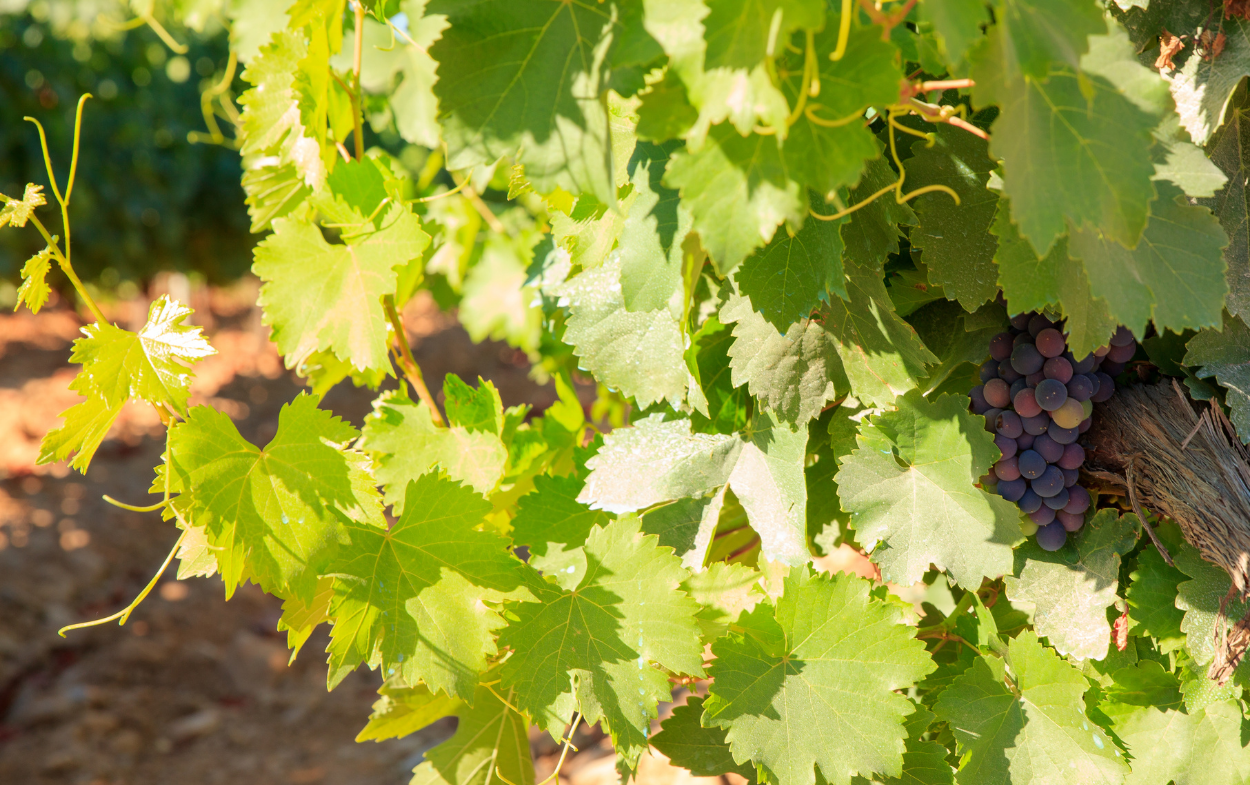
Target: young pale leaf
{"x": 151, "y": 365}
{"x": 703, "y": 751}
{"x": 1072, "y": 588}
{"x": 1151, "y": 597}
{"x": 300, "y": 615}
{"x": 272, "y": 122}
{"x": 16, "y": 212}
{"x": 274, "y": 515}
{"x": 1226, "y": 356}
{"x": 594, "y": 648}
{"x": 828, "y": 657}
{"x": 406, "y": 445}
{"x": 412, "y": 600}
{"x": 1036, "y": 732}
{"x": 724, "y": 591}
{"x": 34, "y": 291}
{"x": 321, "y": 296}
{"x": 909, "y": 489}
{"x": 405, "y": 710}
{"x": 86, "y": 424}
{"x": 477, "y": 410}
{"x": 787, "y": 279}
{"x": 490, "y": 743}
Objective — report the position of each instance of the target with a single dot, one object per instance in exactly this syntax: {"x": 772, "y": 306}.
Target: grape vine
{"x": 849, "y": 276}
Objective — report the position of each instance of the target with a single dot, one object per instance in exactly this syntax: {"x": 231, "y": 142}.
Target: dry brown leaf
{"x": 1169, "y": 46}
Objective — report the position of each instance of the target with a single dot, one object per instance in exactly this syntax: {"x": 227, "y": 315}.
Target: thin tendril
{"x": 457, "y": 189}
{"x": 131, "y": 507}
{"x": 568, "y": 742}
{"x": 47, "y": 159}
{"x": 844, "y": 31}
{"x": 73, "y": 161}
{"x": 808, "y": 59}
{"x": 810, "y": 113}
{"x": 124, "y": 613}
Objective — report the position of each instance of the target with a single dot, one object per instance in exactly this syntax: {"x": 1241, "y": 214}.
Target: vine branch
{"x": 412, "y": 371}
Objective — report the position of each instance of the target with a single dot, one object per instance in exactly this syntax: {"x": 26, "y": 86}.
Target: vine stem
{"x": 69, "y": 271}
{"x": 412, "y": 371}
{"x": 357, "y": 109}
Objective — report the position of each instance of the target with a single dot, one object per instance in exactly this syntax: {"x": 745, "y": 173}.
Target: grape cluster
{"x": 1037, "y": 400}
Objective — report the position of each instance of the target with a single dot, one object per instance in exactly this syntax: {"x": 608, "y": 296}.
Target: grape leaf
{"x": 1202, "y": 87}
{"x": 477, "y": 410}
{"x": 490, "y": 743}
{"x": 954, "y": 240}
{"x": 1151, "y": 597}
{"x": 1175, "y": 275}
{"x": 723, "y": 591}
{"x": 85, "y": 425}
{"x": 1230, "y": 149}
{"x": 727, "y": 404}
{"x": 957, "y": 24}
{"x": 741, "y": 33}
{"x": 404, "y": 710}
{"x": 16, "y": 212}
{"x": 653, "y": 235}
{"x": 909, "y": 489}
{"x": 1186, "y": 164}
{"x": 275, "y": 515}
{"x": 1200, "y": 598}
{"x": 321, "y": 296}
{"x": 1034, "y": 731}
{"x": 300, "y": 615}
{"x": 413, "y": 600}
{"x": 497, "y": 305}
{"x": 828, "y": 657}
{"x": 523, "y": 78}
{"x": 1168, "y": 744}
{"x": 592, "y": 648}
{"x": 151, "y": 365}
{"x": 911, "y": 290}
{"x": 924, "y": 762}
{"x": 1040, "y": 33}
{"x": 687, "y": 526}
{"x": 1072, "y": 588}
{"x": 1226, "y": 356}
{"x": 738, "y": 190}
{"x": 872, "y": 232}
{"x": 553, "y": 523}
{"x": 787, "y": 279}
{"x": 406, "y": 445}
{"x": 943, "y": 328}
{"x": 688, "y": 744}
{"x": 34, "y": 291}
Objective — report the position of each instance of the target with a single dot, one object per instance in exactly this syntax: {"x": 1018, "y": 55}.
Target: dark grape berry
{"x": 1024, "y": 441}
{"x": 1017, "y": 386}
{"x": 1007, "y": 446}
{"x": 1031, "y": 464}
{"x": 1007, "y": 373}
{"x": 1122, "y": 337}
{"x": 1070, "y": 477}
{"x": 1048, "y": 448}
{"x": 1085, "y": 424}
{"x": 1101, "y": 351}
{"x": 1007, "y": 469}
{"x": 1073, "y": 456}
{"x": 1122, "y": 354}
{"x": 1057, "y": 501}
{"x": 1051, "y": 394}
{"x": 1112, "y": 369}
{"x": 1026, "y": 359}
{"x": 1021, "y": 320}
{"x": 1042, "y": 515}
{"x": 1001, "y": 346}
{"x": 1062, "y": 435}
{"x": 1069, "y": 521}
{"x": 989, "y": 370}
{"x": 1058, "y": 369}
{"x": 1038, "y": 323}
{"x": 1086, "y": 365}
{"x": 1050, "y": 483}
{"x": 1080, "y": 388}
{"x": 1035, "y": 379}
{"x": 1078, "y": 500}
{"x": 1106, "y": 388}
{"x": 1008, "y": 424}
{"x": 991, "y": 420}
{"x": 1024, "y": 402}
{"x": 1030, "y": 502}
{"x": 1051, "y": 537}
{"x": 1012, "y": 490}
{"x": 1021, "y": 338}
{"x": 1050, "y": 342}
{"x": 1034, "y": 425}
{"x": 1069, "y": 415}
{"x": 977, "y": 396}
{"x": 997, "y": 393}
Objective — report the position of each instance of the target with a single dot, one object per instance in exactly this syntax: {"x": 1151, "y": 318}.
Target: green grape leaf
{"x": 300, "y": 615}
{"x": 687, "y": 526}
{"x": 924, "y": 762}
{"x": 414, "y": 600}
{"x": 85, "y": 426}
{"x": 954, "y": 240}
{"x": 1225, "y": 355}
{"x": 1203, "y": 87}
{"x": 872, "y": 232}
{"x": 1072, "y": 588}
{"x": 1040, "y": 33}
{"x": 272, "y": 120}
{"x": 497, "y": 304}
{"x": 594, "y": 648}
{"x": 523, "y": 78}
{"x": 477, "y": 410}
{"x": 34, "y": 291}
{"x": 1230, "y": 150}
{"x": 1201, "y": 747}
{"x": 16, "y": 212}
{"x": 738, "y": 189}
{"x": 151, "y": 365}
{"x": 1200, "y": 691}
{"x": 741, "y": 33}
{"x": 909, "y": 489}
{"x": 405, "y": 710}
{"x": 1151, "y": 597}
{"x": 787, "y": 279}
{"x": 273, "y": 190}
{"x": 1175, "y": 275}
{"x": 490, "y": 744}
{"x": 911, "y": 290}
{"x": 943, "y": 328}
{"x": 275, "y": 515}
{"x": 1037, "y": 731}
{"x": 724, "y": 591}
{"x": 727, "y": 404}
{"x": 653, "y": 235}
{"x": 406, "y": 444}
{"x": 828, "y": 657}
{"x": 320, "y": 296}
{"x": 957, "y": 25}
{"x": 639, "y": 353}
{"x": 1200, "y": 598}
{"x": 703, "y": 751}
{"x": 553, "y": 523}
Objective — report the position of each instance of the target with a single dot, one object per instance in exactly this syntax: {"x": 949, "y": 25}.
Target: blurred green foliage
{"x": 145, "y": 198}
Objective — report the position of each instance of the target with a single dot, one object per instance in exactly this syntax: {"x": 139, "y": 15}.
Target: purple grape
{"x": 1122, "y": 337}
{"x": 1024, "y": 441}
{"x": 1101, "y": 351}
{"x": 1080, "y": 388}
{"x": 1059, "y": 369}
{"x": 1007, "y": 373}
{"x": 1095, "y": 384}
{"x": 1069, "y": 521}
{"x": 1051, "y": 394}
{"x": 997, "y": 393}
{"x": 1025, "y": 403}
{"x": 1007, "y": 446}
{"x": 1050, "y": 483}
{"x": 1048, "y": 448}
{"x": 1051, "y": 537}
{"x": 1012, "y": 490}
{"x": 1078, "y": 500}
{"x": 979, "y": 405}
{"x": 1026, "y": 359}
{"x": 1086, "y": 365}
{"x": 1007, "y": 469}
{"x": 1017, "y": 386}
{"x": 1021, "y": 338}
{"x": 1042, "y": 515}
{"x": 1122, "y": 354}
{"x": 1106, "y": 388}
{"x": 1085, "y": 424}
{"x": 1070, "y": 477}
{"x": 989, "y": 370}
{"x": 1039, "y": 323}
{"x": 1029, "y": 502}
{"x": 1050, "y": 342}
{"x": 1062, "y": 435}
{"x": 1035, "y": 379}
{"x": 1057, "y": 501}
{"x": 1034, "y": 425}
{"x": 1073, "y": 456}
{"x": 1030, "y": 464}
{"x": 1021, "y": 320}
{"x": 1008, "y": 424}
{"x": 1112, "y": 369}
{"x": 1000, "y": 346}
{"x": 991, "y": 419}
